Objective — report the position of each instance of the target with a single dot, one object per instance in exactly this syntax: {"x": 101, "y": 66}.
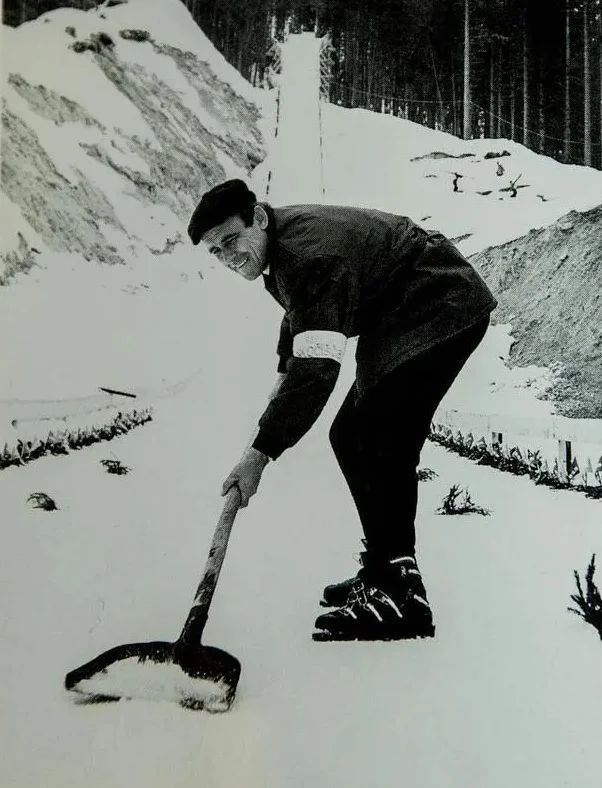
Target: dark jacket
{"x": 343, "y": 272}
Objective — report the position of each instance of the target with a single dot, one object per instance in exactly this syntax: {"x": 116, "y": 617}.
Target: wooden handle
{"x": 197, "y": 618}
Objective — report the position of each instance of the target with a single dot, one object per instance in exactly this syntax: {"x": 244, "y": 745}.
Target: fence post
{"x": 326, "y": 55}
{"x": 565, "y": 460}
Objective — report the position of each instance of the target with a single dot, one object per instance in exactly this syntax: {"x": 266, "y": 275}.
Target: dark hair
{"x": 229, "y": 198}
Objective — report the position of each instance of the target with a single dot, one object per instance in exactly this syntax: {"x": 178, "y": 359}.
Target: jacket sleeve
{"x": 318, "y": 323}
{"x": 285, "y": 344}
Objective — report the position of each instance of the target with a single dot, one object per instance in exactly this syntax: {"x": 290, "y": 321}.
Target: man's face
{"x": 241, "y": 249}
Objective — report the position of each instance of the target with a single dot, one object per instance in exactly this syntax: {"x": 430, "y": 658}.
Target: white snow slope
{"x": 507, "y": 693}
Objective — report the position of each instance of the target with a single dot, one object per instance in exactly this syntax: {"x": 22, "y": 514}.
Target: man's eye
{"x": 230, "y": 242}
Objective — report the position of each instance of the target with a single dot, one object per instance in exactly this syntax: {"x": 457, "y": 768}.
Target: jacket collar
{"x": 271, "y": 250}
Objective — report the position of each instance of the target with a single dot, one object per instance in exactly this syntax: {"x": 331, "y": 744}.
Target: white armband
{"x": 319, "y": 344}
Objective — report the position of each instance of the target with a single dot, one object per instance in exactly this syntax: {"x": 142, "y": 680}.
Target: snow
{"x": 147, "y": 679}
{"x": 54, "y": 62}
{"x": 13, "y": 219}
{"x": 506, "y": 694}
{"x": 393, "y": 176}
{"x": 298, "y": 137}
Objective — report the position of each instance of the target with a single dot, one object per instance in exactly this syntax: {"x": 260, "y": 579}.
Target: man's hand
{"x": 246, "y": 474}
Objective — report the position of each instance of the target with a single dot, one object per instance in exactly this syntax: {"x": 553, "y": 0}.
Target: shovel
{"x": 186, "y": 672}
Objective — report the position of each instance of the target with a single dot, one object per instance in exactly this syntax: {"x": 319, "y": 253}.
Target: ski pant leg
{"x": 377, "y": 440}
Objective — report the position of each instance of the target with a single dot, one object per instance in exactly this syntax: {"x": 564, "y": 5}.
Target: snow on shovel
{"x": 193, "y": 675}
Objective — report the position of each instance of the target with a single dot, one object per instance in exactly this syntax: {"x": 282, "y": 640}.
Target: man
{"x": 418, "y": 309}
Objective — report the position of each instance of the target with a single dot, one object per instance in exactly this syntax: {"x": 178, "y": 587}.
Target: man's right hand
{"x": 246, "y": 474}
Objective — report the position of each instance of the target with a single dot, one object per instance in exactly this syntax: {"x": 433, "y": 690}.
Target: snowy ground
{"x": 507, "y": 694}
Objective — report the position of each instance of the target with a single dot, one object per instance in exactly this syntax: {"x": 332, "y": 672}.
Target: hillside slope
{"x": 536, "y": 245}
{"x": 112, "y": 132}
{"x": 548, "y": 286}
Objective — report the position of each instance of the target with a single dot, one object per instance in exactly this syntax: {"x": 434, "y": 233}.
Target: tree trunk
{"x": 542, "y": 122}
{"x": 525, "y": 85}
{"x": 600, "y": 82}
{"x": 242, "y": 46}
{"x": 467, "y": 98}
{"x": 491, "y": 124}
{"x": 512, "y": 108}
{"x": 456, "y": 129}
{"x": 355, "y": 67}
{"x": 587, "y": 78}
{"x": 567, "y": 83}
{"x": 499, "y": 130}
{"x": 439, "y": 96}
{"x": 370, "y": 62}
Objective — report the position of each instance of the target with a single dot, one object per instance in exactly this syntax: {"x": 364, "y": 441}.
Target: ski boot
{"x": 387, "y": 601}
{"x": 336, "y": 594}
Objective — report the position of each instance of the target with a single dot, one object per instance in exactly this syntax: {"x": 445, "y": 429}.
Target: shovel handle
{"x": 197, "y": 618}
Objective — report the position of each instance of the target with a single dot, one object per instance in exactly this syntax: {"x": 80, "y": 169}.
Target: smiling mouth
{"x": 238, "y": 266}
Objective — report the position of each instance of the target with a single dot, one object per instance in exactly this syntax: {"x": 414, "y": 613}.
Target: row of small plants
{"x": 64, "y": 441}
{"x": 587, "y": 599}
{"x": 512, "y": 460}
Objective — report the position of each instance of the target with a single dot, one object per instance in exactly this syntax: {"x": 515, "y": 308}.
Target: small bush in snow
{"x": 496, "y": 154}
{"x": 82, "y": 46}
{"x": 458, "y": 501}
{"x": 115, "y": 466}
{"x": 40, "y": 500}
{"x": 426, "y": 474}
{"x": 135, "y": 35}
{"x": 102, "y": 41}
{"x": 594, "y": 492}
{"x": 590, "y": 602}
{"x": 96, "y": 43}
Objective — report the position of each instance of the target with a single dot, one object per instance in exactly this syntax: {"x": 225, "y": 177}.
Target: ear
{"x": 260, "y": 217}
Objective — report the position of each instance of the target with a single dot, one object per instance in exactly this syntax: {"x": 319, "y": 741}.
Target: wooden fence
{"x": 573, "y": 446}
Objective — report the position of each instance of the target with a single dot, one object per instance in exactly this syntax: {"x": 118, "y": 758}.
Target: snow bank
{"x": 403, "y": 167}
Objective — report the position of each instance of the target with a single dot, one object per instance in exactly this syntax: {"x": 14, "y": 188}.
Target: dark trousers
{"x": 377, "y": 441}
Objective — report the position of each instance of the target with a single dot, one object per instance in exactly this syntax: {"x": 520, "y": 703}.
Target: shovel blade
{"x": 194, "y": 677}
